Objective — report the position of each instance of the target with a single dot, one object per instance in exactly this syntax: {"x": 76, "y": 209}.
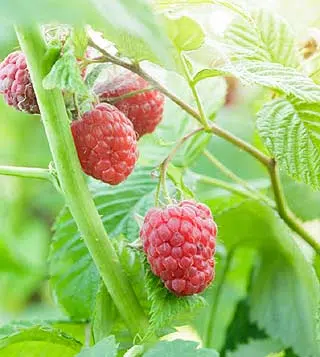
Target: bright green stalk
{"x": 72, "y": 182}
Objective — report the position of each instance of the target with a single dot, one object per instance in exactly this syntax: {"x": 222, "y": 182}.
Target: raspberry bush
{"x": 188, "y": 160}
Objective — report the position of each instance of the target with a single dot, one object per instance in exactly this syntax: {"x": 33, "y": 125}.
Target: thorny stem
{"x": 27, "y": 172}
{"x": 73, "y": 185}
{"x": 265, "y": 160}
{"x": 237, "y": 179}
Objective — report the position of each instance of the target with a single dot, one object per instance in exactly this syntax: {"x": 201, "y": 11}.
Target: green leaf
{"x": 234, "y": 6}
{"x": 106, "y": 321}
{"x": 134, "y": 351}
{"x": 283, "y": 271}
{"x": 133, "y": 27}
{"x": 291, "y": 132}
{"x": 94, "y": 73}
{"x": 80, "y": 41}
{"x": 257, "y": 348}
{"x": 208, "y": 73}
{"x": 185, "y": 33}
{"x": 275, "y": 76}
{"x": 135, "y": 30}
{"x": 297, "y": 194}
{"x": 264, "y": 37}
{"x": 176, "y": 175}
{"x": 275, "y": 280}
{"x": 179, "y": 348}
{"x": 167, "y": 4}
{"x": 165, "y": 306}
{"x": 104, "y": 315}
{"x": 26, "y": 339}
{"x": 270, "y": 75}
{"x": 74, "y": 277}
{"x": 230, "y": 286}
{"x": 241, "y": 330}
{"x": 65, "y": 75}
{"x": 105, "y": 348}
{"x": 131, "y": 261}
{"x": 280, "y": 354}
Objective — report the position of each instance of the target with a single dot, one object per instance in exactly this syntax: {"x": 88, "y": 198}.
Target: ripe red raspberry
{"x": 145, "y": 110}
{"x": 179, "y": 241}
{"x": 15, "y": 83}
{"x": 106, "y": 144}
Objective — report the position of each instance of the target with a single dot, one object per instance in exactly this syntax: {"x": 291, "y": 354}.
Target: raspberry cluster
{"x": 16, "y": 85}
{"x": 105, "y": 137}
{"x": 179, "y": 241}
{"x": 145, "y": 109}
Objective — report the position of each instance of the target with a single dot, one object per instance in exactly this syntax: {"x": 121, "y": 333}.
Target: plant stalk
{"x": 113, "y": 100}
{"x": 284, "y": 211}
{"x": 192, "y": 85}
{"x": 164, "y": 165}
{"x": 227, "y": 172}
{"x": 73, "y": 185}
{"x": 27, "y": 172}
{"x": 226, "y": 186}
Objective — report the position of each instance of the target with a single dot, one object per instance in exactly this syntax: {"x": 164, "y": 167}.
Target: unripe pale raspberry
{"x": 15, "y": 83}
{"x": 106, "y": 144}
{"x": 179, "y": 241}
{"x": 145, "y": 110}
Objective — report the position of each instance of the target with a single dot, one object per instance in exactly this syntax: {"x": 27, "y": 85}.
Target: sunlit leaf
{"x": 291, "y": 132}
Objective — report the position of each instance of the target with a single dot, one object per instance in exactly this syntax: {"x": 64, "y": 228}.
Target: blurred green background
{"x": 27, "y": 208}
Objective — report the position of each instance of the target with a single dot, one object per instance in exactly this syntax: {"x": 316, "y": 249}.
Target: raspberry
{"x": 179, "y": 241}
{"x": 15, "y": 83}
{"x": 145, "y": 110}
{"x": 106, "y": 144}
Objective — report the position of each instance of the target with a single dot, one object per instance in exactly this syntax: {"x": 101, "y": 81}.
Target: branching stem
{"x": 164, "y": 165}
{"x": 27, "y": 172}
